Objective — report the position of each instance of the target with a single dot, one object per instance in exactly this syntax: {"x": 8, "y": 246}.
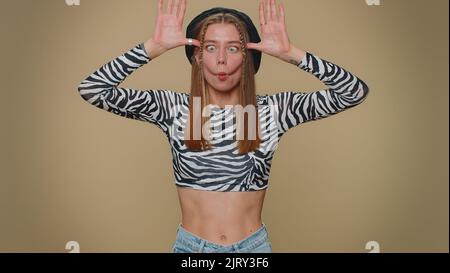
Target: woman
{"x": 221, "y": 157}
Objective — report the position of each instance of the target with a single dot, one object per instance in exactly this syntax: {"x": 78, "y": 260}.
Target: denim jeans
{"x": 257, "y": 242}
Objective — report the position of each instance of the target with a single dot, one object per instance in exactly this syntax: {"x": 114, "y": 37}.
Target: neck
{"x": 222, "y": 99}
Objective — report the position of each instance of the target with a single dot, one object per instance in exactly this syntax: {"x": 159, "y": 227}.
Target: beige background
{"x": 70, "y": 171}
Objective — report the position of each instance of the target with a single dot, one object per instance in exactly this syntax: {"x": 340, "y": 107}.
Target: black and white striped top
{"x": 222, "y": 168}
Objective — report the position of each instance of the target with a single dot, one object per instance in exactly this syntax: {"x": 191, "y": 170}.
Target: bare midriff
{"x": 223, "y": 218}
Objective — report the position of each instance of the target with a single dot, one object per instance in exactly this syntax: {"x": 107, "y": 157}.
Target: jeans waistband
{"x": 197, "y": 243}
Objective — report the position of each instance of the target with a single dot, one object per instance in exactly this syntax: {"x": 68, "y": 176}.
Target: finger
{"x": 170, "y": 7}
{"x": 160, "y": 7}
{"x": 273, "y": 10}
{"x": 262, "y": 18}
{"x": 253, "y": 46}
{"x": 194, "y": 42}
{"x": 267, "y": 9}
{"x": 282, "y": 14}
{"x": 182, "y": 12}
{"x": 175, "y": 7}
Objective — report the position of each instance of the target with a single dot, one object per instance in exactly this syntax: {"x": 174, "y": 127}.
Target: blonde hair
{"x": 247, "y": 88}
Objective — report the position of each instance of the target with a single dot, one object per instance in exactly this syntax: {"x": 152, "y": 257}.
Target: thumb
{"x": 194, "y": 42}
{"x": 253, "y": 46}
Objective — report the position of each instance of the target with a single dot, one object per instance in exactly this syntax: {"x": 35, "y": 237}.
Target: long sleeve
{"x": 344, "y": 91}
{"x": 101, "y": 90}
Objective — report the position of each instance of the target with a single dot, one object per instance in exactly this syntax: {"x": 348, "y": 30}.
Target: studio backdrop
{"x": 375, "y": 173}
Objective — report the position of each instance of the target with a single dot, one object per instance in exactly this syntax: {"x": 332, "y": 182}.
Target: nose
{"x": 222, "y": 57}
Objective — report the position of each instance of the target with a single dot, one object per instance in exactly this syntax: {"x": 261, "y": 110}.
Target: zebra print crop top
{"x": 221, "y": 168}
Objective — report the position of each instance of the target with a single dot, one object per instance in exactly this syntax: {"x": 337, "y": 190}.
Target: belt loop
{"x": 202, "y": 245}
{"x": 236, "y": 248}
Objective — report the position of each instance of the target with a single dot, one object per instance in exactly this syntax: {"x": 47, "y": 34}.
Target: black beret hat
{"x": 253, "y": 33}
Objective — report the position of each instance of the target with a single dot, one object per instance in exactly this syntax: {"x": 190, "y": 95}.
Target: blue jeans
{"x": 257, "y": 242}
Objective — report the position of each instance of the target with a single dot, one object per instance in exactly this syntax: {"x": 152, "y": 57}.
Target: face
{"x": 222, "y": 53}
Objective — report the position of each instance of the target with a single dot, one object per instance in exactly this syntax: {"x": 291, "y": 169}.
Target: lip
{"x": 222, "y": 76}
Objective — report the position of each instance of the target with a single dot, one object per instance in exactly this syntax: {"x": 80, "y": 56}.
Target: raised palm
{"x": 274, "y": 40}
{"x": 169, "y": 24}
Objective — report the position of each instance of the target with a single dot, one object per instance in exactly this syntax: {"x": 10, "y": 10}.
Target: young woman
{"x": 222, "y": 134}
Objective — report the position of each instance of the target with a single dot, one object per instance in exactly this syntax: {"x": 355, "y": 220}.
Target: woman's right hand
{"x": 169, "y": 23}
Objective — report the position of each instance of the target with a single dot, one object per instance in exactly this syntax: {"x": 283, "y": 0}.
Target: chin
{"x": 223, "y": 88}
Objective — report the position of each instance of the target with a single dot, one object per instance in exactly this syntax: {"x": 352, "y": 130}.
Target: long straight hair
{"x": 199, "y": 88}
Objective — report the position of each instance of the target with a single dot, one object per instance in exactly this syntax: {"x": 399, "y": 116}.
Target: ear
{"x": 197, "y": 54}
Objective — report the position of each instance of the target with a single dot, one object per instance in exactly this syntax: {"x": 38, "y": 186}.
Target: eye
{"x": 208, "y": 47}
{"x": 236, "y": 49}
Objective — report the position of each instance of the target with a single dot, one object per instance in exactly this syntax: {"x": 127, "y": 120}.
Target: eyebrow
{"x": 229, "y": 42}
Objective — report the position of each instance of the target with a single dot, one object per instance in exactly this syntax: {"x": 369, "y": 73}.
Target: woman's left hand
{"x": 274, "y": 40}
